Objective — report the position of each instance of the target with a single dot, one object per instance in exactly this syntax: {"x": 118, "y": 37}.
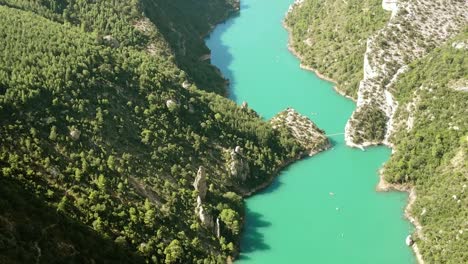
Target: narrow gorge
{"x": 323, "y": 208}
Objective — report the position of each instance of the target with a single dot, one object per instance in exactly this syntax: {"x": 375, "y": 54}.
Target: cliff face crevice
{"x": 415, "y": 28}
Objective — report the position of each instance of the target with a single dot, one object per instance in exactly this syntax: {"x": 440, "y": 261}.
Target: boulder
{"x": 172, "y": 104}
{"x": 238, "y": 150}
{"x": 244, "y": 105}
{"x": 75, "y": 133}
{"x": 186, "y": 85}
{"x": 409, "y": 241}
{"x": 111, "y": 41}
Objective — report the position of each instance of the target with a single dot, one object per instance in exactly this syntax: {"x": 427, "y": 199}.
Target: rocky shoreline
{"x": 384, "y": 186}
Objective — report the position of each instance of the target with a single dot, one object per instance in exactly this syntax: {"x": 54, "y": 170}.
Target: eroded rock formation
{"x": 200, "y": 183}
{"x": 238, "y": 165}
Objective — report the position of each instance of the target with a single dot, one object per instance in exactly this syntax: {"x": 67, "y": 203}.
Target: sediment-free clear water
{"x": 322, "y": 209}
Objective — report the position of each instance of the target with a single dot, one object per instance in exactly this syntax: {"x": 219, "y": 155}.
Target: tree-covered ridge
{"x": 126, "y": 23}
{"x": 431, "y": 149}
{"x": 330, "y": 37}
{"x": 110, "y": 137}
{"x": 185, "y": 23}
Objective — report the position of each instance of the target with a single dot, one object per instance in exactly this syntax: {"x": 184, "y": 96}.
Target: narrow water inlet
{"x": 296, "y": 218}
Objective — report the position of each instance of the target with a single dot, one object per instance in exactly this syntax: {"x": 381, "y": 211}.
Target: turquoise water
{"x": 297, "y": 220}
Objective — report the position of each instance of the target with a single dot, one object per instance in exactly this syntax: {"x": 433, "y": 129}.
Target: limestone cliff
{"x": 415, "y": 28}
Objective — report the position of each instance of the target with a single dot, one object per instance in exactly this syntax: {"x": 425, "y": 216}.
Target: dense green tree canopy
{"x": 96, "y": 120}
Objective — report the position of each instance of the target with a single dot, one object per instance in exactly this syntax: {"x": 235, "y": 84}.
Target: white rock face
{"x": 245, "y": 105}
{"x": 296, "y": 4}
{"x": 390, "y": 112}
{"x": 238, "y": 150}
{"x": 368, "y": 70}
{"x": 391, "y": 48}
{"x": 111, "y": 41}
{"x": 390, "y": 5}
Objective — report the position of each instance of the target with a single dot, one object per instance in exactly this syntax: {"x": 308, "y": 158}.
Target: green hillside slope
{"x": 101, "y": 127}
{"x": 431, "y": 149}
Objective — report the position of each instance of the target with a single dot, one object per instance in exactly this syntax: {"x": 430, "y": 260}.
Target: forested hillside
{"x": 103, "y": 133}
{"x": 131, "y": 24}
{"x": 185, "y": 24}
{"x": 431, "y": 149}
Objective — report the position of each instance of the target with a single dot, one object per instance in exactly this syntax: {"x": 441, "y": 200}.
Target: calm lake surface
{"x": 297, "y": 220}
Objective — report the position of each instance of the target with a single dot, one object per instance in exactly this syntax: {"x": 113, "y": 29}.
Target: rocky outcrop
{"x": 302, "y": 129}
{"x": 201, "y": 187}
{"x": 172, "y": 104}
{"x": 238, "y": 165}
{"x": 200, "y": 183}
{"x": 290, "y": 124}
{"x": 205, "y": 218}
{"x": 459, "y": 85}
{"x": 415, "y": 28}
